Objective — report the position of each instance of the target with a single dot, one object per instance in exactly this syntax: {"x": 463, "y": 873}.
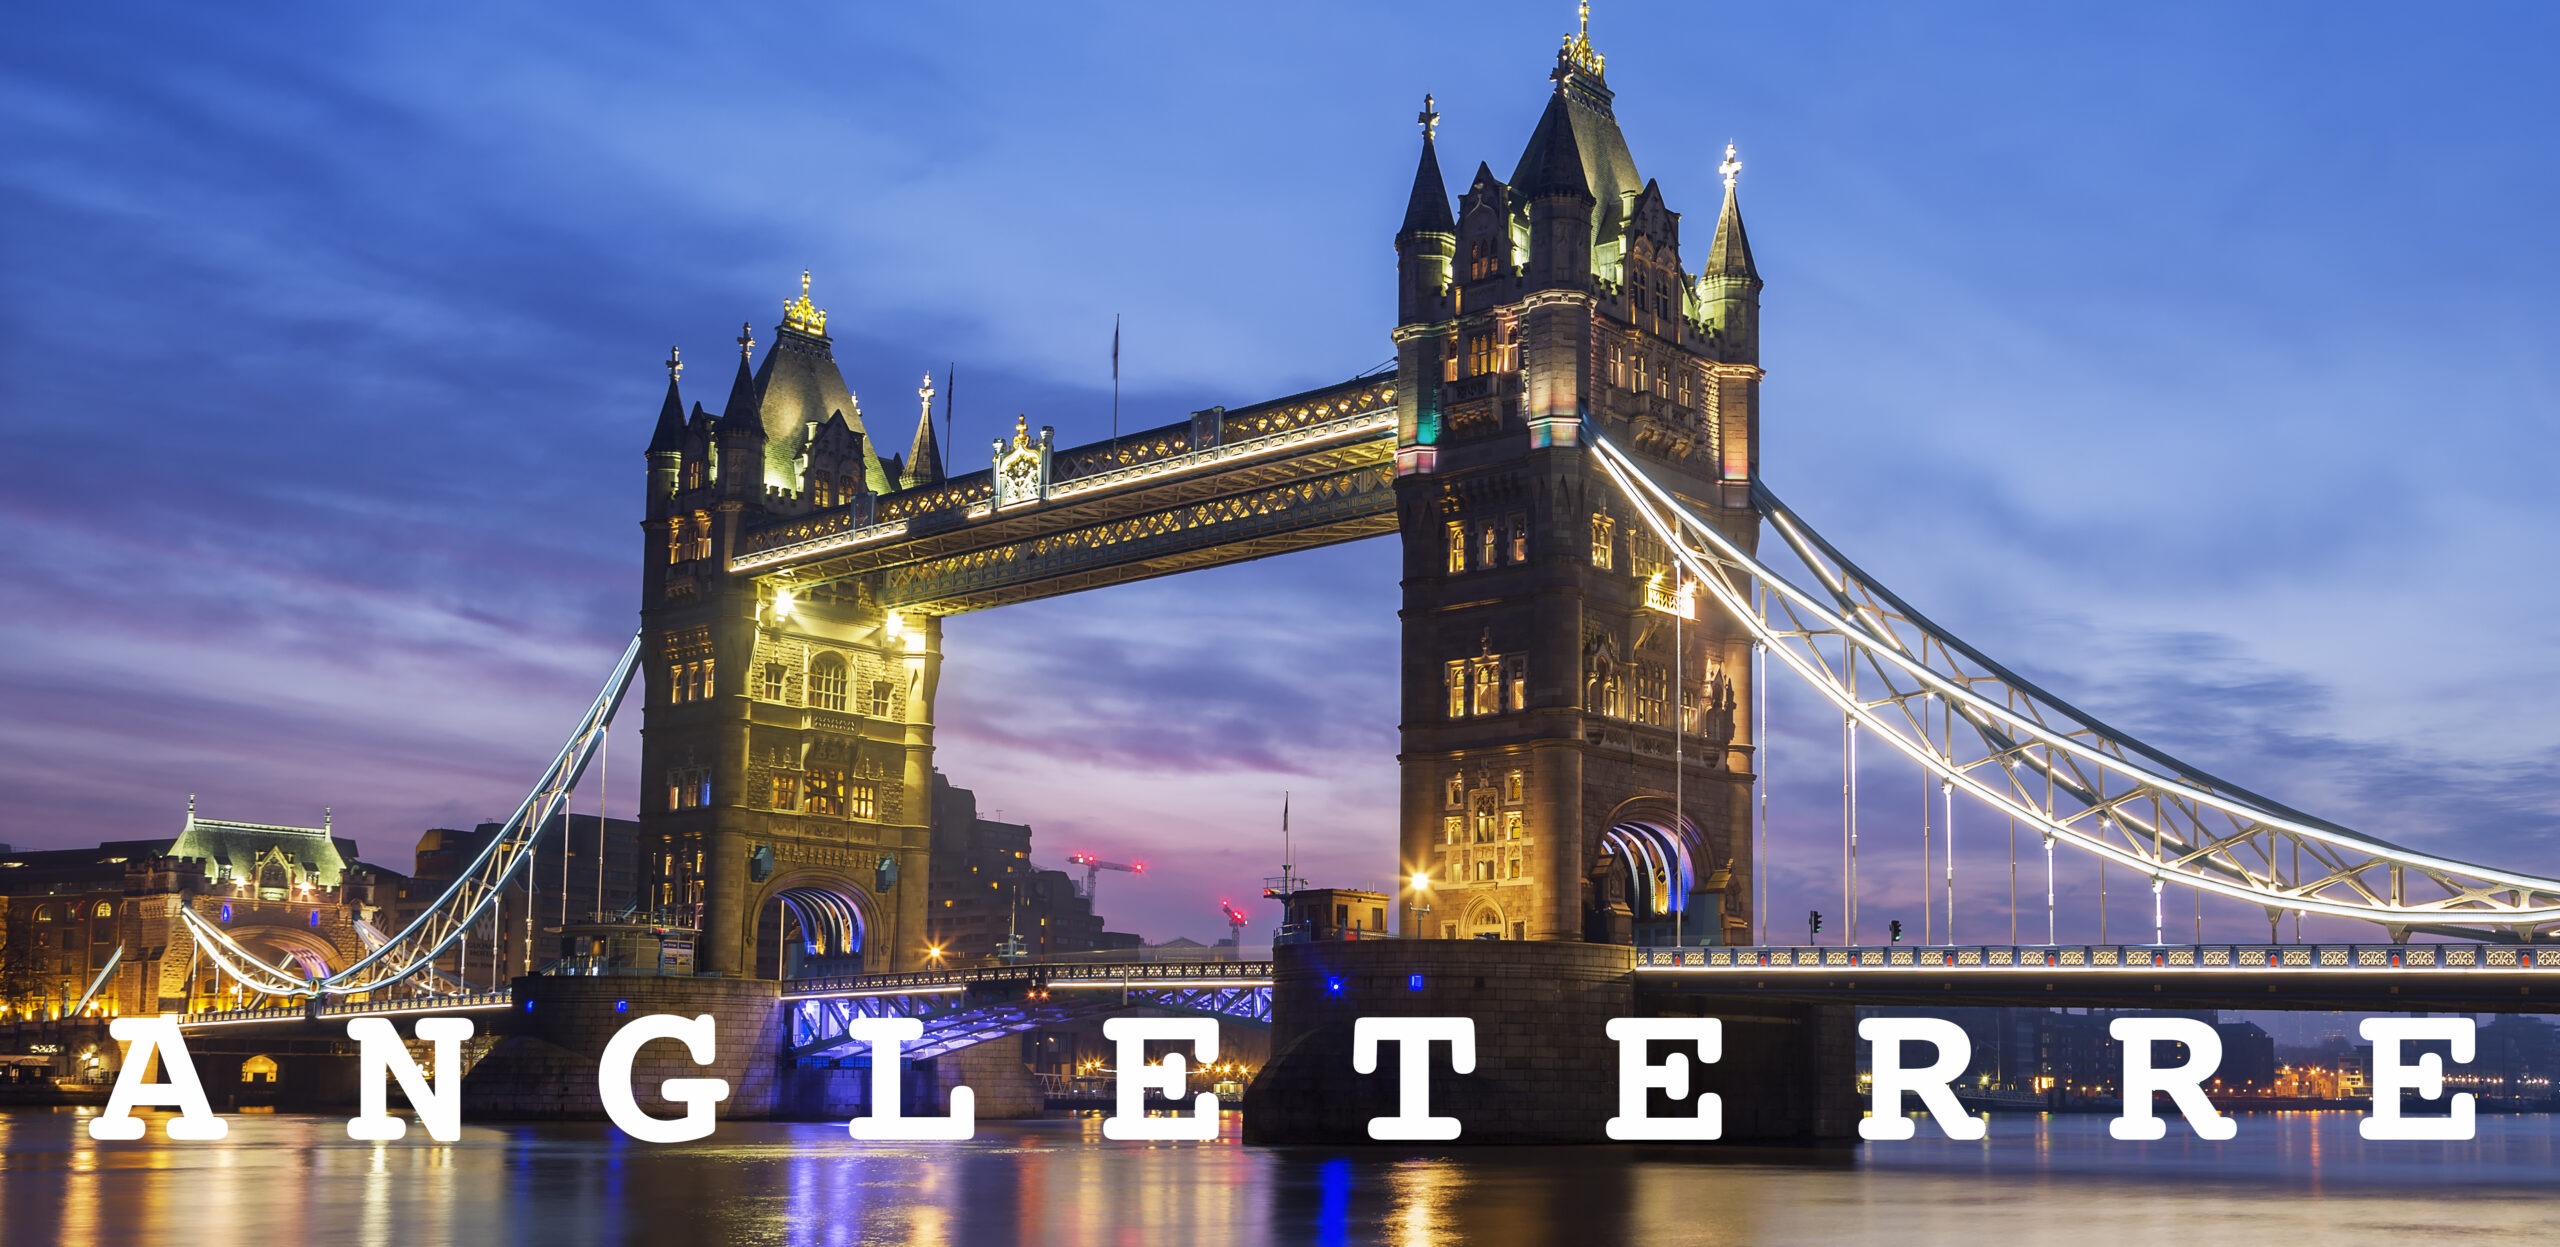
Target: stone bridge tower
{"x": 788, "y": 753}
{"x": 1545, "y": 659}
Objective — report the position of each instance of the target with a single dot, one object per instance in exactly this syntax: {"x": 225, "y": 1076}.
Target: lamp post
{"x": 1419, "y": 905}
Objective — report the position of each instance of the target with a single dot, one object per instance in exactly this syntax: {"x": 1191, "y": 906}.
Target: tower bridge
{"x": 1567, "y": 451}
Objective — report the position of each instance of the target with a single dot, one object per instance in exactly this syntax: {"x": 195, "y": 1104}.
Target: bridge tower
{"x": 788, "y": 750}
{"x": 1540, "y": 797}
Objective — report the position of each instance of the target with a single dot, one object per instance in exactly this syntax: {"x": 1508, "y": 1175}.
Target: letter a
{"x": 146, "y": 1038}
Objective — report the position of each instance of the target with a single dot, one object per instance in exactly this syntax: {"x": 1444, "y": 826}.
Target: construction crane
{"x": 1235, "y": 922}
{"x": 1093, "y": 868}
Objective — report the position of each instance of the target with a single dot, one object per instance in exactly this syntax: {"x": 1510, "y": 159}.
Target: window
{"x": 1514, "y": 869}
{"x": 822, "y": 493}
{"x": 1617, "y": 365}
{"x": 1604, "y": 542}
{"x": 1519, "y": 526}
{"x": 1457, "y": 546}
{"x": 105, "y": 909}
{"x": 689, "y": 681}
{"x": 1515, "y": 682}
{"x": 826, "y": 682}
{"x": 688, "y": 788}
{"x": 1481, "y": 819}
{"x": 1515, "y": 787}
{"x": 1452, "y": 828}
{"x": 881, "y": 690}
{"x": 771, "y": 686}
{"x": 44, "y": 913}
{"x": 676, "y": 541}
{"x": 823, "y": 792}
{"x": 1514, "y": 823}
{"x": 1484, "y": 870}
{"x": 1489, "y": 546}
{"x": 693, "y": 474}
{"x": 1653, "y": 695}
{"x": 866, "y": 800}
{"x": 1458, "y": 790}
{"x": 1638, "y": 365}
{"x": 1458, "y": 688}
{"x": 701, "y": 536}
{"x": 1484, "y": 258}
{"x": 1480, "y": 354}
{"x": 1488, "y": 690}
{"x": 784, "y": 793}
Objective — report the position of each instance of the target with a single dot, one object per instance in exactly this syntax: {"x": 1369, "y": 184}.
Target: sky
{"x": 2193, "y": 359}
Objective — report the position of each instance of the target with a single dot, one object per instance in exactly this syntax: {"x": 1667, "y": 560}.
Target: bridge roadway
{"x": 2379, "y": 978}
{"x": 966, "y": 1005}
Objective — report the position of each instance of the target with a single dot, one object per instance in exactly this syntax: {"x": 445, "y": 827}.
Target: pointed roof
{"x": 1730, "y": 254}
{"x": 740, "y": 411}
{"x": 924, "y": 457}
{"x": 1552, "y": 164}
{"x": 1584, "y": 105}
{"x": 1426, "y": 211}
{"x": 669, "y": 436}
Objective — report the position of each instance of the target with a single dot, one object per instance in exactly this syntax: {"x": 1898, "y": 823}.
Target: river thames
{"x": 2288, "y": 1178}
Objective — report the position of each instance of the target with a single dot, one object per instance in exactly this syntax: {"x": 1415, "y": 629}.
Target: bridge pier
{"x": 1546, "y": 1070}
{"x": 545, "y": 1063}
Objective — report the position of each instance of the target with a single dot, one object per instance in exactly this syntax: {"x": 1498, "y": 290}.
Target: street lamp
{"x": 1421, "y": 893}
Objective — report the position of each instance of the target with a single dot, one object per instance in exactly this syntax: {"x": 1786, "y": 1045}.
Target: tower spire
{"x": 924, "y": 458}
{"x": 669, "y": 435}
{"x": 1426, "y": 211}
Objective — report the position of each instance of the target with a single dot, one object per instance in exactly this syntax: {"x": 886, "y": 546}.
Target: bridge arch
{"x": 1651, "y": 861}
{"x": 812, "y": 924}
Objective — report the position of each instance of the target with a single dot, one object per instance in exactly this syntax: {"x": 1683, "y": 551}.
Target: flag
{"x": 1115, "y": 349}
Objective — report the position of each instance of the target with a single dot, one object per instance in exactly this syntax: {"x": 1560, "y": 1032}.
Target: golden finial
{"x": 1577, "y": 46}
{"x": 746, "y": 340}
{"x": 803, "y": 315}
{"x": 675, "y": 363}
{"x": 1021, "y": 431}
{"x": 925, "y": 392}
{"x": 1430, "y": 119}
{"x": 1731, "y": 168}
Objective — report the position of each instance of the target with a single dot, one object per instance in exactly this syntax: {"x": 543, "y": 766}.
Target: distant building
{"x": 1330, "y": 914}
{"x": 285, "y": 894}
{"x": 982, "y": 889}
{"x": 444, "y": 854}
{"x": 2248, "y": 1057}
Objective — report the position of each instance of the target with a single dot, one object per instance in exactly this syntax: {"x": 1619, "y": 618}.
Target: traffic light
{"x": 1815, "y": 921}
{"x": 1896, "y": 930}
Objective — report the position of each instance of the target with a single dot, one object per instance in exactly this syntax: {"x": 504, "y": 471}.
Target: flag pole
{"x": 1115, "y": 387}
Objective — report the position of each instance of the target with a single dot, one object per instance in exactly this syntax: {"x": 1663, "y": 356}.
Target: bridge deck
{"x": 2372, "y": 977}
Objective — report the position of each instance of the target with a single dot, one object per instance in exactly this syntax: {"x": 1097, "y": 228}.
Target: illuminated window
{"x": 105, "y": 909}
{"x": 866, "y": 800}
{"x": 1458, "y": 790}
{"x": 1452, "y": 828}
{"x": 823, "y": 792}
{"x": 826, "y": 682}
{"x": 1457, "y": 546}
{"x": 1484, "y": 870}
{"x": 1604, "y": 542}
{"x": 701, "y": 535}
{"x": 1515, "y": 787}
{"x": 1514, "y": 824}
{"x": 1515, "y": 869}
{"x": 1481, "y": 819}
{"x": 1458, "y": 688}
{"x": 881, "y": 691}
{"x": 688, "y": 788}
{"x": 784, "y": 793}
{"x": 844, "y": 489}
{"x": 693, "y": 474}
{"x": 770, "y": 687}
{"x": 822, "y": 493}
{"x": 1488, "y": 689}
{"x": 1488, "y": 546}
{"x": 676, "y": 541}
{"x": 1515, "y": 682}
{"x": 44, "y": 913}
{"x": 1485, "y": 258}
{"x": 1637, "y": 365}
{"x": 1519, "y": 526}
{"x": 1480, "y": 354}
{"x": 1653, "y": 695}
{"x": 689, "y": 681}
{"x": 1617, "y": 366}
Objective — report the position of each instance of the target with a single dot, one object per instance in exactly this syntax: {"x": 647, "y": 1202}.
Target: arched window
{"x": 826, "y": 682}
{"x": 105, "y": 909}
{"x": 258, "y": 1069}
{"x": 821, "y": 493}
{"x": 881, "y": 693}
{"x": 1484, "y": 922}
{"x": 44, "y": 913}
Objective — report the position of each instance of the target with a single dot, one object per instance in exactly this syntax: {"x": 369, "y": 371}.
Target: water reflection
{"x": 2287, "y": 1177}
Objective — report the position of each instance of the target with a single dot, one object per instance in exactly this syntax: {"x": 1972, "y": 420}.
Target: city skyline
{"x": 332, "y": 490}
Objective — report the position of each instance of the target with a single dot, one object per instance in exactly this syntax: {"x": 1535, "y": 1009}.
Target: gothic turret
{"x": 740, "y": 433}
{"x": 666, "y": 443}
{"x": 1729, "y": 289}
{"x": 1428, "y": 240}
{"x": 1552, "y": 183}
{"x": 924, "y": 457}
{"x": 798, "y": 387}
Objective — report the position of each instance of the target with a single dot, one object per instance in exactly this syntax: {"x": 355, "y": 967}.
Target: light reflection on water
{"x": 2294, "y": 1177}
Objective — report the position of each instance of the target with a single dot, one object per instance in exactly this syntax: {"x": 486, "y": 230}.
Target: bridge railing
{"x": 2147, "y": 958}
